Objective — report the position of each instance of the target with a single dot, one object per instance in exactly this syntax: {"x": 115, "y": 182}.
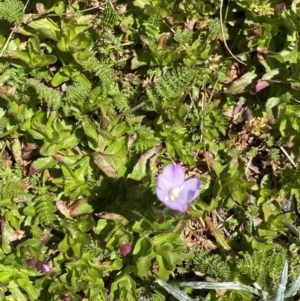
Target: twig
{"x": 248, "y": 166}
{"x": 218, "y": 216}
{"x": 12, "y": 32}
{"x": 288, "y": 156}
{"x": 70, "y": 13}
{"x": 223, "y": 34}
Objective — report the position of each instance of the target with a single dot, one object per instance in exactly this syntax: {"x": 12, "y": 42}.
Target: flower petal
{"x": 171, "y": 177}
{"x": 162, "y": 187}
{"x": 174, "y": 174}
{"x": 176, "y": 205}
{"x": 190, "y": 190}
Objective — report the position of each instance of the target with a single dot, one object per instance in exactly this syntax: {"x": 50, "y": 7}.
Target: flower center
{"x": 174, "y": 194}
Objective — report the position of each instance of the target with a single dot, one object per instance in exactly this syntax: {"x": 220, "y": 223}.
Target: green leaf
{"x": 26, "y": 285}
{"x": 16, "y": 292}
{"x": 174, "y": 291}
{"x": 199, "y": 285}
{"x": 59, "y": 78}
{"x": 282, "y": 284}
{"x": 242, "y": 84}
{"x": 6, "y": 276}
{"x": 139, "y": 170}
{"x": 111, "y": 165}
{"x": 143, "y": 254}
{"x": 45, "y": 26}
{"x": 163, "y": 268}
{"x": 293, "y": 289}
{"x": 82, "y": 206}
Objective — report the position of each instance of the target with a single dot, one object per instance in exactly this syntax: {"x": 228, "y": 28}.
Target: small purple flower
{"x": 173, "y": 190}
{"x": 43, "y": 267}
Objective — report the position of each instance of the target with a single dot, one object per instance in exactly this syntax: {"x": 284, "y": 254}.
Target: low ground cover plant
{"x": 149, "y": 150}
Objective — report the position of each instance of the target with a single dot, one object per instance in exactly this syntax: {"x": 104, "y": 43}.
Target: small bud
{"x": 280, "y": 7}
{"x": 125, "y": 249}
{"x": 67, "y": 298}
{"x": 256, "y": 31}
{"x": 43, "y": 267}
{"x": 32, "y": 262}
{"x": 210, "y": 156}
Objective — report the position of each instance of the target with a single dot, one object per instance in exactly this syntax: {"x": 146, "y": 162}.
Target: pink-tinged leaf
{"x": 62, "y": 208}
{"x": 82, "y": 206}
{"x": 228, "y": 113}
{"x": 113, "y": 216}
{"x": 260, "y": 85}
{"x": 248, "y": 114}
{"x": 131, "y": 139}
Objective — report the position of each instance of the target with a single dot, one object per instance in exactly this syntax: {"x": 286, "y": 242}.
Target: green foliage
{"x": 45, "y": 209}
{"x": 170, "y": 87}
{"x": 183, "y": 37}
{"x": 11, "y": 11}
{"x": 145, "y": 138}
{"x": 265, "y": 268}
{"x": 11, "y": 182}
{"x": 252, "y": 211}
{"x": 159, "y": 295}
{"x": 109, "y": 18}
{"x": 95, "y": 99}
{"x": 211, "y": 265}
{"x": 107, "y": 79}
{"x": 51, "y": 97}
{"x": 174, "y": 83}
{"x": 94, "y": 248}
{"x": 76, "y": 93}
{"x": 153, "y": 23}
{"x": 3, "y": 123}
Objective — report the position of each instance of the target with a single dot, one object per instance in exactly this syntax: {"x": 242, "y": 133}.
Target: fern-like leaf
{"x": 211, "y": 265}
{"x": 145, "y": 138}
{"x": 10, "y": 184}
{"x": 45, "y": 209}
{"x": 3, "y": 123}
{"x": 109, "y": 18}
{"x": 152, "y": 25}
{"x": 264, "y": 267}
{"x": 183, "y": 36}
{"x": 52, "y": 98}
{"x": 159, "y": 295}
{"x": 36, "y": 231}
{"x": 152, "y": 97}
{"x": 11, "y": 189}
{"x": 94, "y": 248}
{"x": 171, "y": 86}
{"x": 107, "y": 79}
{"x": 11, "y": 11}
{"x": 77, "y": 93}
{"x": 174, "y": 83}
